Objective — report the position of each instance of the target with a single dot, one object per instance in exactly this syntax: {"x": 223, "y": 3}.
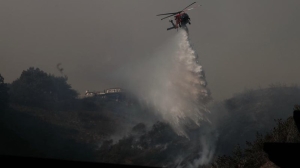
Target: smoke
{"x": 61, "y": 70}
{"x": 202, "y": 152}
{"x": 171, "y": 81}
{"x": 206, "y": 153}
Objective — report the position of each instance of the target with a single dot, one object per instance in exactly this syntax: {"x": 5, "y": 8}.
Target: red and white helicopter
{"x": 181, "y": 17}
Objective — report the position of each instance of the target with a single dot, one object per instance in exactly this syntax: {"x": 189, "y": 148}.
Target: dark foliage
{"x": 3, "y": 94}
{"x": 25, "y": 135}
{"x": 160, "y": 146}
{"x": 253, "y": 110}
{"x": 254, "y": 155}
{"x": 39, "y": 89}
{"x": 139, "y": 128}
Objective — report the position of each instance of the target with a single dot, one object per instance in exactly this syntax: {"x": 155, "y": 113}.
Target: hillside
{"x": 239, "y": 118}
{"x": 56, "y": 124}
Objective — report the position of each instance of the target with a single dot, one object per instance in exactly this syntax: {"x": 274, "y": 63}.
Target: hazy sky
{"x": 241, "y": 44}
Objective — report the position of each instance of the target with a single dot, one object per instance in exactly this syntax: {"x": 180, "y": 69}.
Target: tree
{"x": 37, "y": 88}
{"x": 254, "y": 155}
{"x": 3, "y": 94}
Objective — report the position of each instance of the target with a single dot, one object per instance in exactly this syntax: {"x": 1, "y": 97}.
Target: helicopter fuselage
{"x": 182, "y": 19}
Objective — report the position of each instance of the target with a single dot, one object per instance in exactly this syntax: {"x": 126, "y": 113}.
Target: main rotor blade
{"x": 168, "y": 16}
{"x": 172, "y": 14}
{"x": 188, "y": 6}
{"x": 192, "y": 8}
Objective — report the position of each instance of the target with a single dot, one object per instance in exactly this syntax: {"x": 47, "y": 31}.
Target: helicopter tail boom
{"x": 173, "y": 26}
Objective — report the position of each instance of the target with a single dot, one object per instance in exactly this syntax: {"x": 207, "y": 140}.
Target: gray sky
{"x": 241, "y": 44}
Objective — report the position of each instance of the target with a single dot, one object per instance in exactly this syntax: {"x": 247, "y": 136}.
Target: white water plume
{"x": 172, "y": 82}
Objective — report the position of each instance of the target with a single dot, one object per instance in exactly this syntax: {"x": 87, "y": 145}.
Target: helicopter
{"x": 181, "y": 18}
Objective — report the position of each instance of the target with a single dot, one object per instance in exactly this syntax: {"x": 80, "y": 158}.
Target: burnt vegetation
{"x": 42, "y": 116}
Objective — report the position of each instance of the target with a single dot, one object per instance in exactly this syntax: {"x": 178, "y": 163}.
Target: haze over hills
{"x": 175, "y": 107}
{"x": 93, "y": 129}
{"x": 164, "y": 117}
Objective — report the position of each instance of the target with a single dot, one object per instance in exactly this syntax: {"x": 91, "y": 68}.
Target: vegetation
{"x": 252, "y": 111}
{"x": 3, "y": 94}
{"x": 253, "y": 155}
{"x": 157, "y": 147}
{"x": 43, "y": 115}
{"x": 39, "y": 89}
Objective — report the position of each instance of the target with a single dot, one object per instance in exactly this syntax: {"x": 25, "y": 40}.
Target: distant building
{"x": 112, "y": 93}
{"x": 89, "y": 94}
{"x": 113, "y": 90}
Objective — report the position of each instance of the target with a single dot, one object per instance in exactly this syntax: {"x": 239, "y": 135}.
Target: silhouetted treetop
{"x": 37, "y": 88}
{"x": 3, "y": 94}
